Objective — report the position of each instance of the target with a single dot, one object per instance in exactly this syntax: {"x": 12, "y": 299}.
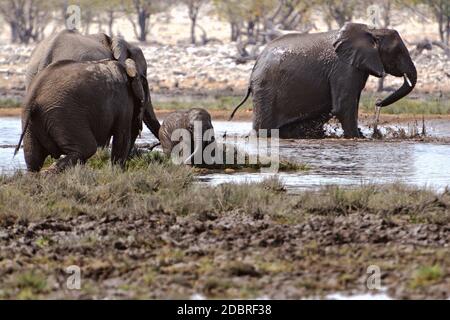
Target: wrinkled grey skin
{"x": 71, "y": 45}
{"x": 300, "y": 81}
{"x": 186, "y": 120}
{"x": 80, "y": 112}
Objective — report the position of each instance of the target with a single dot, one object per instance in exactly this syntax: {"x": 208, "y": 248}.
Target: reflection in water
{"x": 347, "y": 162}
{"x": 339, "y": 162}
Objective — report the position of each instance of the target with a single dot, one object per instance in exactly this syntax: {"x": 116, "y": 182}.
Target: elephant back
{"x": 67, "y": 45}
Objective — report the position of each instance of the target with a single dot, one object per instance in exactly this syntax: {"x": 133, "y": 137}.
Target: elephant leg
{"x": 78, "y": 149}
{"x": 121, "y": 147}
{"x": 35, "y": 153}
{"x": 135, "y": 131}
{"x": 345, "y": 108}
{"x": 264, "y": 102}
{"x": 346, "y": 92}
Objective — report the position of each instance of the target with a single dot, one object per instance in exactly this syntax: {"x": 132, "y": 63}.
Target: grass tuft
{"x": 426, "y": 276}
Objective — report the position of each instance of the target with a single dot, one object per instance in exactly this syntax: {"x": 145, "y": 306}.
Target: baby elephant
{"x": 72, "y": 108}
{"x": 190, "y": 130}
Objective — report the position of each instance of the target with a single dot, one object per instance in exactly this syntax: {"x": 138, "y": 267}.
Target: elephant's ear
{"x": 136, "y": 81}
{"x": 122, "y": 50}
{"x": 356, "y": 45}
{"x": 119, "y": 49}
{"x": 139, "y": 85}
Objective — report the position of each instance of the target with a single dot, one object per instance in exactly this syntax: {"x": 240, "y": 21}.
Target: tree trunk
{"x": 142, "y": 21}
{"x": 193, "y": 26}
{"x": 234, "y": 32}
{"x": 14, "y": 32}
{"x": 110, "y": 22}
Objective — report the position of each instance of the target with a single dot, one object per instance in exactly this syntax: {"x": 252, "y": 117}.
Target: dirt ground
{"x": 132, "y": 238}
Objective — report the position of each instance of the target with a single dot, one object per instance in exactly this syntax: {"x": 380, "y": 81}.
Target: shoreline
{"x": 246, "y": 115}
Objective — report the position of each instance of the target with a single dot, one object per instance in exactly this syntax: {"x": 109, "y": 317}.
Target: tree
{"x": 441, "y": 12}
{"x": 194, "y": 7}
{"x": 381, "y": 19}
{"x": 143, "y": 10}
{"x": 27, "y": 19}
{"x": 112, "y": 7}
{"x": 341, "y": 11}
{"x": 230, "y": 11}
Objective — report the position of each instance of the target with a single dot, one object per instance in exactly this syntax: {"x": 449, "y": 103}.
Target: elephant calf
{"x": 193, "y": 128}
{"x": 72, "y": 108}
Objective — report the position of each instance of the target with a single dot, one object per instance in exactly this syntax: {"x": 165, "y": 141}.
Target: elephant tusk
{"x": 407, "y": 80}
{"x": 188, "y": 160}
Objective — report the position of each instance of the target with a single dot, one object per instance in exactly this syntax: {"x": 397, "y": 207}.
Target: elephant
{"x": 197, "y": 123}
{"x": 72, "y": 108}
{"x": 72, "y": 45}
{"x": 301, "y": 81}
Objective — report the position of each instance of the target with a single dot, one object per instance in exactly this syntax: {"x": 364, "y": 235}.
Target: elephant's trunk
{"x": 150, "y": 119}
{"x": 410, "y": 81}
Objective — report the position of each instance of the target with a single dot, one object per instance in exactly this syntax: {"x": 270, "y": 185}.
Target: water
{"x": 332, "y": 162}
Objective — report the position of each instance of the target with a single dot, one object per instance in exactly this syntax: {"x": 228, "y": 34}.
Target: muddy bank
{"x": 132, "y": 238}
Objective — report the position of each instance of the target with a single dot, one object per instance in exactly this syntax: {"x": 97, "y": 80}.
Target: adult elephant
{"x": 72, "y": 45}
{"x": 301, "y": 81}
{"x": 96, "y": 101}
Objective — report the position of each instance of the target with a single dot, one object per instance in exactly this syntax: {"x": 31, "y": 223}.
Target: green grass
{"x": 408, "y": 105}
{"x": 426, "y": 106}
{"x": 150, "y": 183}
{"x": 10, "y": 103}
{"x": 142, "y": 159}
{"x": 30, "y": 285}
{"x": 226, "y": 103}
{"x": 426, "y": 276}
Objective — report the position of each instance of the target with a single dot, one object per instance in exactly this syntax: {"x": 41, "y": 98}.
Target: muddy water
{"x": 332, "y": 161}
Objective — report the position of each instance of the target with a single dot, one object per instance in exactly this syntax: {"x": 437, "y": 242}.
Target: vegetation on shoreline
{"x": 10, "y": 103}
{"x": 98, "y": 188}
{"x": 421, "y": 106}
{"x": 406, "y": 106}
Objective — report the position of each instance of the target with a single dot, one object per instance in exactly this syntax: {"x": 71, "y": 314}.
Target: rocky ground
{"x": 131, "y": 238}
{"x": 211, "y": 69}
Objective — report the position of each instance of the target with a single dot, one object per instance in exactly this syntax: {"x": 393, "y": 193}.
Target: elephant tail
{"x": 249, "y": 91}
{"x": 25, "y": 128}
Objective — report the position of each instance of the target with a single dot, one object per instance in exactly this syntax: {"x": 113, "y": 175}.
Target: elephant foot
{"x": 312, "y": 129}
{"x": 356, "y": 134}
{"x": 52, "y": 170}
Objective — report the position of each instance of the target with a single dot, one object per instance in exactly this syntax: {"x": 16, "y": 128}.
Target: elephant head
{"x": 123, "y": 52}
{"x": 377, "y": 52}
{"x": 138, "y": 85}
{"x": 199, "y": 124}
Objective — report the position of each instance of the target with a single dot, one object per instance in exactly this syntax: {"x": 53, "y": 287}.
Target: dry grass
{"x": 152, "y": 183}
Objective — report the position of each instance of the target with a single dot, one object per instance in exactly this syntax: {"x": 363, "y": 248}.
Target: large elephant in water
{"x": 300, "y": 81}
{"x": 72, "y": 45}
{"x": 96, "y": 101}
